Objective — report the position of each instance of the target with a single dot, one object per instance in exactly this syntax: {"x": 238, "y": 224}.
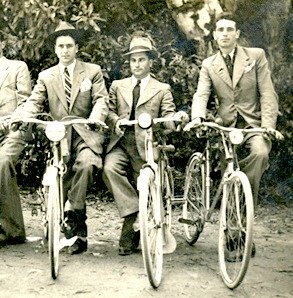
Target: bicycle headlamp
{"x": 144, "y": 120}
{"x": 236, "y": 137}
{"x": 55, "y": 131}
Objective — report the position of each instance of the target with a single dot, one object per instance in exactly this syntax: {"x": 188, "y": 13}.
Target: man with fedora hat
{"x": 15, "y": 88}
{"x": 125, "y": 151}
{"x": 73, "y": 88}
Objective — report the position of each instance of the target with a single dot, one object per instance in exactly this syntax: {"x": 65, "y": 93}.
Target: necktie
{"x": 136, "y": 94}
{"x": 229, "y": 65}
{"x": 67, "y": 86}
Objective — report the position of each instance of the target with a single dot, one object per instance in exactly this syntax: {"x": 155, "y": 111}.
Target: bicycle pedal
{"x": 187, "y": 221}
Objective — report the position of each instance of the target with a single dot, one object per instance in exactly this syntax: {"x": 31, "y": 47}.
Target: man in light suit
{"x": 125, "y": 151}
{"x": 15, "y": 88}
{"x": 245, "y": 93}
{"x": 88, "y": 98}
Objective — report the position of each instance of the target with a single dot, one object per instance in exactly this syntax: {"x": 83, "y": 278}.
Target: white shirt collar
{"x": 143, "y": 83}
{"x": 231, "y": 54}
{"x": 70, "y": 68}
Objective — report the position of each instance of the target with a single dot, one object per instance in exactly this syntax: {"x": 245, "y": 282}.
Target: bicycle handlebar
{"x": 261, "y": 130}
{"x": 62, "y": 121}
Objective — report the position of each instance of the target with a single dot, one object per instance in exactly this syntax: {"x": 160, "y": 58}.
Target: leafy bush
{"x": 108, "y": 25}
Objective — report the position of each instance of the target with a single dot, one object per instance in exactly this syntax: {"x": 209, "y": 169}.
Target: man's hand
{"x": 15, "y": 124}
{"x": 193, "y": 123}
{"x": 273, "y": 132}
{"x": 181, "y": 116}
{"x": 4, "y": 128}
{"x": 118, "y": 129}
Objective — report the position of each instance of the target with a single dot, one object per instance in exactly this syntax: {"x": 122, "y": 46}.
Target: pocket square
{"x": 249, "y": 67}
{"x": 85, "y": 85}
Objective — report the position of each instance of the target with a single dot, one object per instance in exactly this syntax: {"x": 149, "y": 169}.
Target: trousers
{"x": 11, "y": 217}
{"x": 121, "y": 170}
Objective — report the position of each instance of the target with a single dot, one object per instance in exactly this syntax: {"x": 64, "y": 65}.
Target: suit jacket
{"x": 15, "y": 88}
{"x": 90, "y": 103}
{"x": 250, "y": 92}
{"x": 156, "y": 99}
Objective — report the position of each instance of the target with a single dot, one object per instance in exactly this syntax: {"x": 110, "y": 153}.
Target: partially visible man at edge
{"x": 15, "y": 88}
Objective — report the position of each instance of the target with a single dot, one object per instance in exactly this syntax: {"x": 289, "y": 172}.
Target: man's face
{"x": 66, "y": 49}
{"x": 140, "y": 65}
{"x": 226, "y": 34}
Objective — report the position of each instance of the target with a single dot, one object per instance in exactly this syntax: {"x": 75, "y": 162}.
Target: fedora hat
{"x": 140, "y": 44}
{"x": 64, "y": 29}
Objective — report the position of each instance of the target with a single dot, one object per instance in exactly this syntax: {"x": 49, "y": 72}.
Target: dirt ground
{"x": 191, "y": 271}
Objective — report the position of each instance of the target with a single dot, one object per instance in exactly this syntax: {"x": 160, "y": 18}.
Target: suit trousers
{"x": 11, "y": 217}
{"x": 79, "y": 176}
{"x": 121, "y": 170}
{"x": 255, "y": 162}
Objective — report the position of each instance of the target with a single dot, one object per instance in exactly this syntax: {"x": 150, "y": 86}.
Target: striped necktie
{"x": 67, "y": 86}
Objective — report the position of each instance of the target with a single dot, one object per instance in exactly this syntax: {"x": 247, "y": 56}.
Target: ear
{"x": 214, "y": 35}
{"x": 76, "y": 50}
{"x": 237, "y": 33}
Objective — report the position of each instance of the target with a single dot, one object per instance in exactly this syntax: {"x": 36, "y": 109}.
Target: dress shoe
{"x": 237, "y": 255}
{"x": 78, "y": 247}
{"x": 129, "y": 239}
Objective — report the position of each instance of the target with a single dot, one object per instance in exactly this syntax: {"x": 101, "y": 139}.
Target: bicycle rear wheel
{"x": 193, "y": 210}
{"x": 150, "y": 226}
{"x": 54, "y": 223}
{"x": 236, "y": 223}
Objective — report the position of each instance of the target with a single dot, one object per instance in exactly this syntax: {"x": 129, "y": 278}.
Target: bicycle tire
{"x": 150, "y": 226}
{"x": 236, "y": 228}
{"x": 54, "y": 223}
{"x": 193, "y": 208}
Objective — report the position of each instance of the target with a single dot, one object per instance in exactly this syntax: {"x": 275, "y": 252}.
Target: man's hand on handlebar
{"x": 193, "y": 123}
{"x": 119, "y": 130}
{"x": 269, "y": 132}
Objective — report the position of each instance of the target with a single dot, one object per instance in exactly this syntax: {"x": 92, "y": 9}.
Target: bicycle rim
{"x": 150, "y": 227}
{"x": 193, "y": 208}
{"x": 236, "y": 224}
{"x": 54, "y": 226}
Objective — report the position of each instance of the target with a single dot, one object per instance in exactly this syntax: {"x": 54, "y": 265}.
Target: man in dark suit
{"x": 15, "y": 88}
{"x": 241, "y": 80}
{"x": 125, "y": 151}
{"x": 73, "y": 88}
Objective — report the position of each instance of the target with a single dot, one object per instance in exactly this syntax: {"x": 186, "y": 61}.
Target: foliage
{"x": 108, "y": 25}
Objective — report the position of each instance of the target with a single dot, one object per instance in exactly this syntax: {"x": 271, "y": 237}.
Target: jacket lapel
{"x": 240, "y": 63}
{"x": 78, "y": 76}
{"x": 221, "y": 70}
{"x": 126, "y": 91}
{"x": 58, "y": 86}
{"x": 150, "y": 91}
{"x": 3, "y": 70}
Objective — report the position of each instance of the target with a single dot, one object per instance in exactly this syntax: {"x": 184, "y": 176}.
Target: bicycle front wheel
{"x": 193, "y": 210}
{"x": 150, "y": 226}
{"x": 54, "y": 223}
{"x": 236, "y": 224}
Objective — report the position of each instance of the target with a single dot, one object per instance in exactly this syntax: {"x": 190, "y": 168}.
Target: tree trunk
{"x": 194, "y": 16}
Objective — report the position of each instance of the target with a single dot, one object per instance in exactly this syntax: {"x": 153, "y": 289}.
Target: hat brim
{"x": 74, "y": 33}
{"x": 153, "y": 52}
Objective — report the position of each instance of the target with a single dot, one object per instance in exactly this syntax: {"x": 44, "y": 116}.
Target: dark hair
{"x": 227, "y": 16}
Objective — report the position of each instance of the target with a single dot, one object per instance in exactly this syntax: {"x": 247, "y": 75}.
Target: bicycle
{"x": 156, "y": 194}
{"x": 237, "y": 210}
{"x": 52, "y": 184}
